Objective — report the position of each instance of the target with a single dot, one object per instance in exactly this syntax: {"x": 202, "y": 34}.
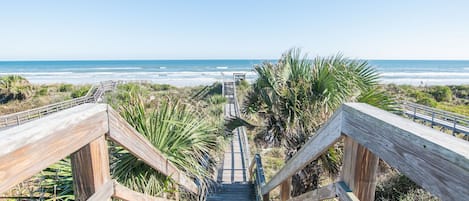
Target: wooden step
{"x": 232, "y": 192}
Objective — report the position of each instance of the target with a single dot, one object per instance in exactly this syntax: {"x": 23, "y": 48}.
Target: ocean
{"x": 202, "y": 72}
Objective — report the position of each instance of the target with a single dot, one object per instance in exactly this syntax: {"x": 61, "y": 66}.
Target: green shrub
{"x": 217, "y": 99}
{"x": 461, "y": 91}
{"x": 42, "y": 92}
{"x": 80, "y": 92}
{"x": 419, "y": 94}
{"x": 243, "y": 84}
{"x": 65, "y": 87}
{"x": 399, "y": 187}
{"x": 441, "y": 93}
{"x": 161, "y": 87}
{"x": 427, "y": 101}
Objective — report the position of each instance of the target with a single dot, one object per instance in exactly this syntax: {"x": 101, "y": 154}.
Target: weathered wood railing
{"x": 80, "y": 132}
{"x": 437, "y": 162}
{"x": 94, "y": 94}
{"x": 451, "y": 121}
{"x": 257, "y": 175}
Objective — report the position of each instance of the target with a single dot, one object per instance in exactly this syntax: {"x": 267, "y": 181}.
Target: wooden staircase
{"x": 233, "y": 192}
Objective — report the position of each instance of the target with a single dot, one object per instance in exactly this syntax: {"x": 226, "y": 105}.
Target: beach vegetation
{"x": 217, "y": 99}
{"x": 179, "y": 132}
{"x": 43, "y": 91}
{"x": 396, "y": 186}
{"x": 14, "y": 87}
{"x": 161, "y": 87}
{"x": 427, "y": 101}
{"x": 65, "y": 87}
{"x": 80, "y": 91}
{"x": 441, "y": 93}
{"x": 295, "y": 96}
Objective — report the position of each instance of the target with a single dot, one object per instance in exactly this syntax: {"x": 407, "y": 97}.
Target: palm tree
{"x": 185, "y": 138}
{"x": 297, "y": 95}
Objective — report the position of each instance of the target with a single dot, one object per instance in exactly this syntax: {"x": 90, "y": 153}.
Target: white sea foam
{"x": 425, "y": 74}
{"x": 36, "y": 73}
{"x": 426, "y": 81}
{"x": 222, "y": 67}
{"x": 117, "y": 68}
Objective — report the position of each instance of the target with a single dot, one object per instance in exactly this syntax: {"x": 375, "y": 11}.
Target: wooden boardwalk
{"x": 234, "y": 159}
{"x": 453, "y": 122}
{"x": 233, "y": 178}
{"x": 94, "y": 95}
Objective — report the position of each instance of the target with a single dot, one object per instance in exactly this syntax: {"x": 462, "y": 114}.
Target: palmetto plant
{"x": 297, "y": 94}
{"x": 184, "y": 137}
{"x": 14, "y": 87}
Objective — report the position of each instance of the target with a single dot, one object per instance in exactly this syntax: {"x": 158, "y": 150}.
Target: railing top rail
{"x": 425, "y": 155}
{"x": 439, "y": 111}
{"x": 24, "y": 151}
{"x": 92, "y": 93}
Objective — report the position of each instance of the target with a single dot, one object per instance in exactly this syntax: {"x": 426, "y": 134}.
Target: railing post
{"x": 285, "y": 190}
{"x": 90, "y": 168}
{"x": 415, "y": 113}
{"x": 17, "y": 120}
{"x": 359, "y": 170}
{"x": 433, "y": 118}
{"x": 454, "y": 125}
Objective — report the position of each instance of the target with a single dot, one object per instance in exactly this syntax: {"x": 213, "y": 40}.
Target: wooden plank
{"x": 360, "y": 170}
{"x": 123, "y": 193}
{"x": 323, "y": 193}
{"x": 125, "y": 135}
{"x": 105, "y": 192}
{"x": 344, "y": 193}
{"x": 437, "y": 162}
{"x": 30, "y": 148}
{"x": 90, "y": 168}
{"x": 285, "y": 190}
{"x": 313, "y": 148}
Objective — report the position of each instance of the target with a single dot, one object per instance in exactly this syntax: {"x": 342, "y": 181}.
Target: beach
{"x": 203, "y": 72}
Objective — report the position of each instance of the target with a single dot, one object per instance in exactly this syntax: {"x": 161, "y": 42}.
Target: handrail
{"x": 258, "y": 176}
{"x": 79, "y": 132}
{"x": 93, "y": 95}
{"x": 431, "y": 109}
{"x": 455, "y": 122}
{"x": 437, "y": 162}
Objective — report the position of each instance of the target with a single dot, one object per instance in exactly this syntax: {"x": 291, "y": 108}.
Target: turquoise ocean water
{"x": 195, "y": 72}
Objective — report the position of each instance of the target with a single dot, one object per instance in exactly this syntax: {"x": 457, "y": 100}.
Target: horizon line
{"x": 201, "y": 59}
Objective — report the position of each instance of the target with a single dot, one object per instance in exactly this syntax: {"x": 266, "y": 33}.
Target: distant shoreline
{"x": 205, "y": 71}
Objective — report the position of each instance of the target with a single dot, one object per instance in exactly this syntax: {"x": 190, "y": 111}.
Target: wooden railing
{"x": 81, "y": 132}
{"x": 439, "y": 163}
{"x": 257, "y": 175}
{"x": 454, "y": 122}
{"x": 94, "y": 94}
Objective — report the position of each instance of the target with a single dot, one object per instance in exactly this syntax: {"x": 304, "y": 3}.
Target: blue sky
{"x": 203, "y": 29}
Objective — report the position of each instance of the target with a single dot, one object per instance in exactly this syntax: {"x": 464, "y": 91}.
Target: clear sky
{"x": 217, "y": 29}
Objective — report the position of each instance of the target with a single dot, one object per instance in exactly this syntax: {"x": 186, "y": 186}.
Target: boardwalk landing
{"x": 232, "y": 176}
